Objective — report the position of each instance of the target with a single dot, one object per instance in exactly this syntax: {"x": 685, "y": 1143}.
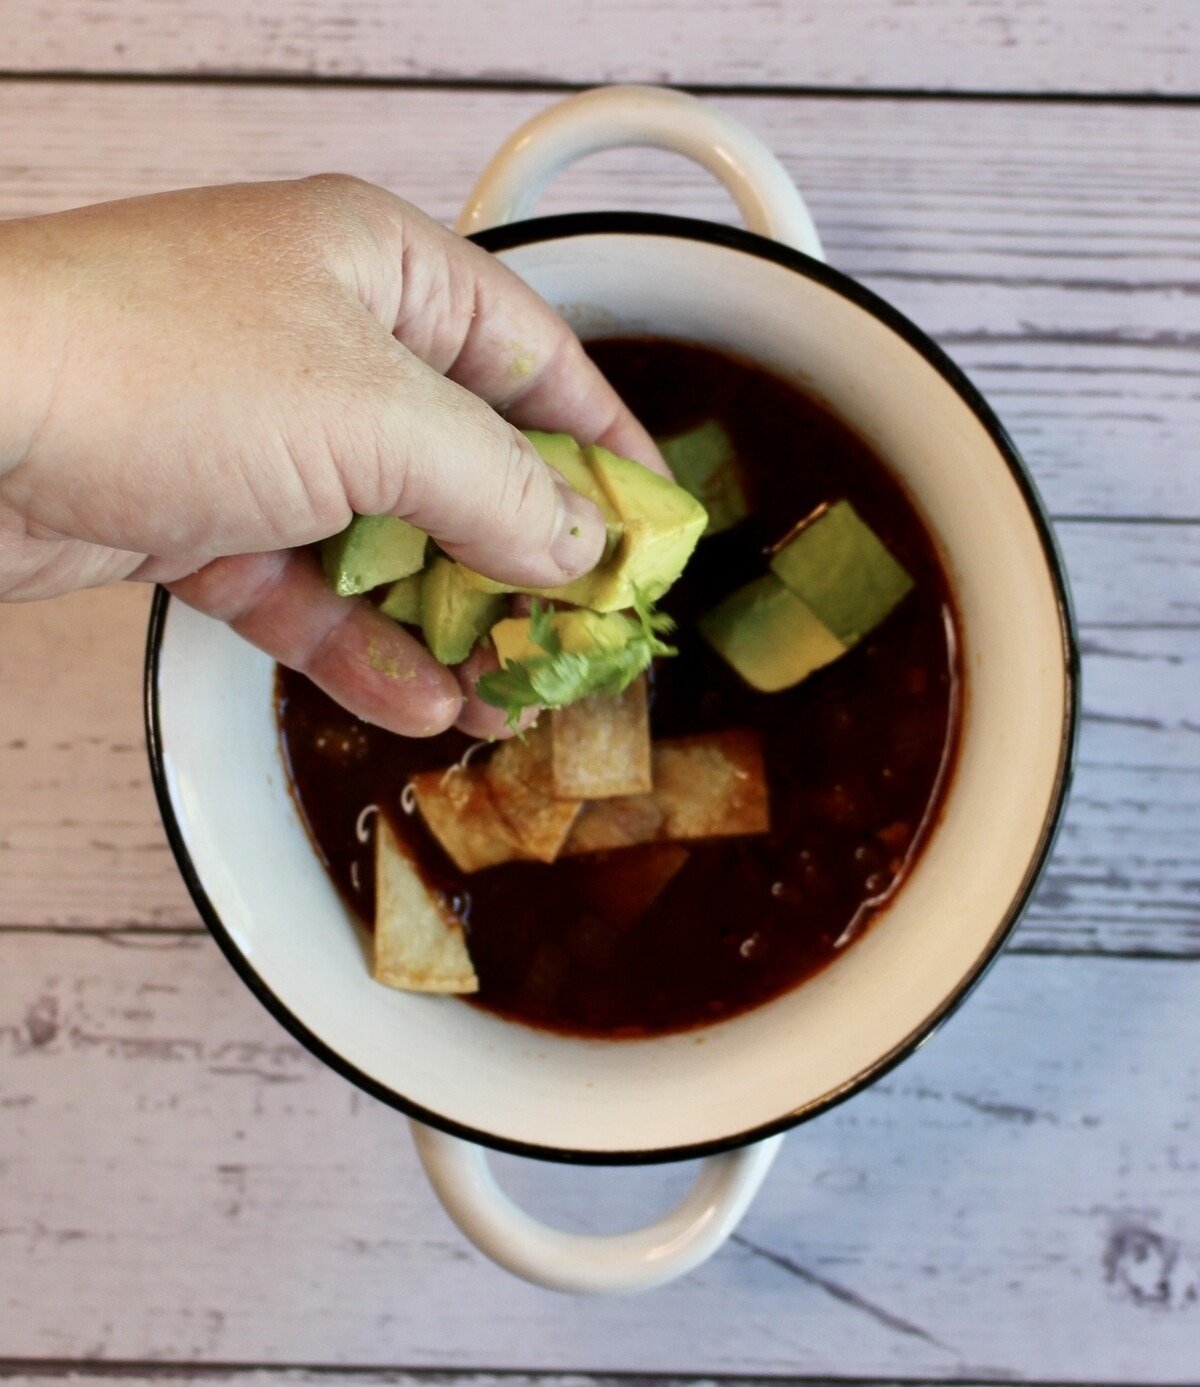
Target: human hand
{"x": 196, "y": 383}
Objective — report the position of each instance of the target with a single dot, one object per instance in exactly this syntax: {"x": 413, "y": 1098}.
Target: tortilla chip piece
{"x": 708, "y": 786}
{"x": 457, "y": 805}
{"x": 614, "y": 823}
{"x": 622, "y": 889}
{"x": 420, "y": 945}
{"x": 518, "y": 776}
{"x": 712, "y": 786}
{"x": 601, "y": 745}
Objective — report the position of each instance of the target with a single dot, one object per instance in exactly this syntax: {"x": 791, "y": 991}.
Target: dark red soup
{"x": 857, "y": 756}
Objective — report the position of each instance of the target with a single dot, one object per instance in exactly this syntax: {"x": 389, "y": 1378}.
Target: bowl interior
{"x": 245, "y": 850}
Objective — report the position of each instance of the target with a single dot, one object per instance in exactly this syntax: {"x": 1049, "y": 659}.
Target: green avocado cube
{"x": 705, "y": 465}
{"x": 371, "y": 550}
{"x": 453, "y": 614}
{"x": 837, "y": 565}
{"x": 403, "y": 600}
{"x": 662, "y": 525}
{"x": 553, "y": 659}
{"x": 580, "y": 633}
{"x": 653, "y": 526}
{"x": 560, "y": 451}
{"x": 769, "y": 636}
{"x": 480, "y": 583}
{"x": 568, "y": 459}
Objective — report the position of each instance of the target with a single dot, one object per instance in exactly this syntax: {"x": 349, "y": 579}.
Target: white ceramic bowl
{"x": 464, "y": 1072}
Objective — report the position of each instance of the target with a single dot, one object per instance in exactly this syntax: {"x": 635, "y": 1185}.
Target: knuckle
{"x": 362, "y": 470}
{"x": 521, "y": 480}
{"x": 565, "y": 350}
{"x": 334, "y": 185}
{"x": 354, "y": 223}
{"x": 343, "y": 200}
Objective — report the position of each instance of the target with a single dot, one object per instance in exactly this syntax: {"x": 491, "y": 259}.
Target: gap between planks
{"x": 82, "y": 849}
{"x": 268, "y": 77}
{"x": 890, "y": 200}
{"x": 1031, "y": 46}
{"x": 21, "y": 1371}
{"x": 1035, "y": 206}
{"x": 937, "y": 1198}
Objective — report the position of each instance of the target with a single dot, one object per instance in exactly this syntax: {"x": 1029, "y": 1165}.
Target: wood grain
{"x": 46, "y": 1373}
{"x": 80, "y": 840}
{"x": 183, "y": 1189}
{"x": 81, "y": 845}
{"x": 1051, "y": 249}
{"x": 182, "y": 1181}
{"x": 1038, "y": 46}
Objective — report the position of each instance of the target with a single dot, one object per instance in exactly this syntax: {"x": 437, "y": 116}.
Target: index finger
{"x": 518, "y": 354}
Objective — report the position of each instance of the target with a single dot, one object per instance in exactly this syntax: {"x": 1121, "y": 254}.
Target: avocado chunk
{"x": 403, "y": 600}
{"x": 568, "y": 459}
{"x": 705, "y": 465}
{"x": 771, "y": 637}
{"x": 662, "y": 525}
{"x": 560, "y": 451}
{"x": 552, "y": 659}
{"x": 836, "y": 564}
{"x": 482, "y": 583}
{"x": 653, "y": 526}
{"x": 371, "y": 550}
{"x": 574, "y": 632}
{"x": 453, "y": 614}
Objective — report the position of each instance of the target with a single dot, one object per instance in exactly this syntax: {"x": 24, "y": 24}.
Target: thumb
{"x": 453, "y": 467}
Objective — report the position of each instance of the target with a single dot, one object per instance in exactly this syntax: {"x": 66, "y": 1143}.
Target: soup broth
{"x": 857, "y": 756}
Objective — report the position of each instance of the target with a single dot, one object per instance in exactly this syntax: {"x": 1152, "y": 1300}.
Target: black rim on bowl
{"x": 647, "y": 224}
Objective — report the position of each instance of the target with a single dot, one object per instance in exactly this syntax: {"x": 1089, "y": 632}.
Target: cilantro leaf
{"x": 560, "y": 677}
{"x": 542, "y": 631}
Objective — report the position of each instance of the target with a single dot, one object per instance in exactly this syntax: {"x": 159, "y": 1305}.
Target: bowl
{"x": 473, "y": 1080}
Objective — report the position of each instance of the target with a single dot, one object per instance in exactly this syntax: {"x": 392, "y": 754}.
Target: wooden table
{"x": 180, "y": 1184}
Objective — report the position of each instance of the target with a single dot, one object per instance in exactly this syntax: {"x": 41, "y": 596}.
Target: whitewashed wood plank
{"x": 1133, "y": 575}
{"x": 151, "y": 1375}
{"x": 1140, "y": 701}
{"x": 81, "y": 845}
{"x": 1124, "y": 875}
{"x": 182, "y": 1182}
{"x": 1039, "y": 45}
{"x": 80, "y": 838}
{"x": 1050, "y": 248}
{"x": 49, "y": 1374}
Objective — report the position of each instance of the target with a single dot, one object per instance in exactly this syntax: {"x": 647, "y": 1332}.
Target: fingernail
{"x": 578, "y": 533}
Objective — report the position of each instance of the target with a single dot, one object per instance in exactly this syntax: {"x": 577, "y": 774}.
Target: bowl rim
{"x": 569, "y": 226}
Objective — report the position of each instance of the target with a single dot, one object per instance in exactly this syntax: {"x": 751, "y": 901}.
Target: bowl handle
{"x": 607, "y": 117}
{"x": 587, "y": 1264}
{"x": 520, "y": 171}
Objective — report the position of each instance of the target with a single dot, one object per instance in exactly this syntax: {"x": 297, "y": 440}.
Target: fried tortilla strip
{"x": 614, "y": 823}
{"x": 457, "y": 805}
{"x": 712, "y": 786}
{"x": 601, "y": 745}
{"x": 709, "y": 786}
{"x": 518, "y": 775}
{"x": 622, "y": 889}
{"x": 419, "y": 942}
